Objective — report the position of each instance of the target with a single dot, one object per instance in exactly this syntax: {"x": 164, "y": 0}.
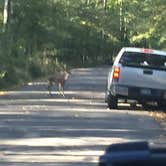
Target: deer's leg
{"x": 49, "y": 87}
{"x": 60, "y": 88}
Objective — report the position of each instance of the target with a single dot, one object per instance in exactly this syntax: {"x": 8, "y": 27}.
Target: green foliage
{"x": 41, "y": 35}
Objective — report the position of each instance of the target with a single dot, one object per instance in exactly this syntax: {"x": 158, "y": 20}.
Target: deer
{"x": 59, "y": 78}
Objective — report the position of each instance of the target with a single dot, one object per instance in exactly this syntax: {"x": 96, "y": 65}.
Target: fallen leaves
{"x": 158, "y": 115}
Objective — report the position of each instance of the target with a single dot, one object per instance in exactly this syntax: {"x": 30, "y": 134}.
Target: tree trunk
{"x": 102, "y": 3}
{"x": 105, "y": 4}
{"x": 87, "y": 2}
{"x": 123, "y": 22}
{"x": 6, "y": 12}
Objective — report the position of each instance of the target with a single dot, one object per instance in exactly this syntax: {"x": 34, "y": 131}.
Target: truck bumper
{"x": 138, "y": 93}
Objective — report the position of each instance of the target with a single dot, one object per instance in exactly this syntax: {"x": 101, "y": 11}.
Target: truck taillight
{"x": 146, "y": 50}
{"x": 116, "y": 73}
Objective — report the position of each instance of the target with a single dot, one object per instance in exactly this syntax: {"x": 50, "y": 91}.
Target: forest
{"x": 39, "y": 36}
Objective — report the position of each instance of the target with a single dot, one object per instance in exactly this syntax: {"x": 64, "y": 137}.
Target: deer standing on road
{"x": 59, "y": 78}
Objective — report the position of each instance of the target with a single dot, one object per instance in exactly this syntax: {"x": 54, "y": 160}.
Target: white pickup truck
{"x": 138, "y": 74}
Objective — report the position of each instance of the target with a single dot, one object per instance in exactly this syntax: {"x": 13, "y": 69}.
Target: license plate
{"x": 145, "y": 91}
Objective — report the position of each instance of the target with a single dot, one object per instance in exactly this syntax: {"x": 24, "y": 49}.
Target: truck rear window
{"x": 144, "y": 60}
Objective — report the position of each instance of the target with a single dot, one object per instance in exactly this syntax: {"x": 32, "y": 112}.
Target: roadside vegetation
{"x": 38, "y": 36}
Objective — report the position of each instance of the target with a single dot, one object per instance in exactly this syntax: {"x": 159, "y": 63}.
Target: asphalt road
{"x": 39, "y": 130}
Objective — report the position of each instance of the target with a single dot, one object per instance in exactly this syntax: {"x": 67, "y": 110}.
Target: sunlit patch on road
{"x": 2, "y": 93}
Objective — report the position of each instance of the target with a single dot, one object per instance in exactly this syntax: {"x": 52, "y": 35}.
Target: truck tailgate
{"x": 142, "y": 77}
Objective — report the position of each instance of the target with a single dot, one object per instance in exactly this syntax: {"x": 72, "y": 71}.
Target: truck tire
{"x": 112, "y": 102}
{"x": 145, "y": 105}
{"x": 161, "y": 105}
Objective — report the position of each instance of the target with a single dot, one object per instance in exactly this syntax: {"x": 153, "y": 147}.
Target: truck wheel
{"x": 161, "y": 105}
{"x": 112, "y": 102}
{"x": 106, "y": 96}
{"x": 145, "y": 105}
{"x": 102, "y": 164}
